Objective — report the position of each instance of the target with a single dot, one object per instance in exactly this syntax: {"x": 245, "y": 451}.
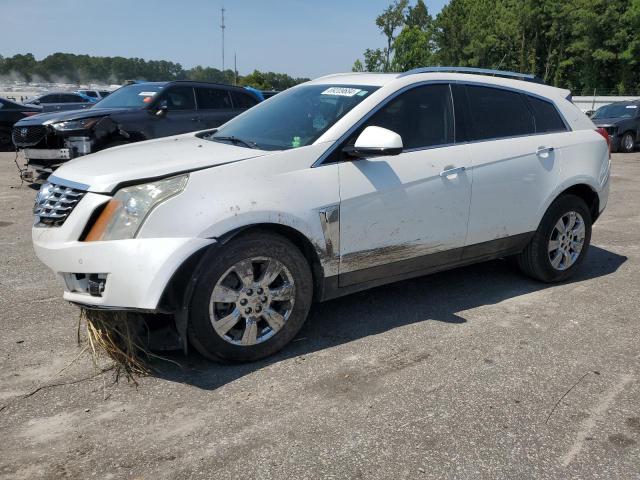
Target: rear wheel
{"x": 251, "y": 300}
{"x": 627, "y": 142}
{"x": 561, "y": 242}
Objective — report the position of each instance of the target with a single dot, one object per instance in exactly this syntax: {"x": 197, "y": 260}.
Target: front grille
{"x": 28, "y": 136}
{"x": 54, "y": 203}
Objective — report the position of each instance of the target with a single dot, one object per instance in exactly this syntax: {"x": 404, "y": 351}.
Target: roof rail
{"x": 527, "y": 77}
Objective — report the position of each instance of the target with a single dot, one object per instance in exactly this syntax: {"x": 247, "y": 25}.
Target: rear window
{"x": 497, "y": 113}
{"x": 546, "y": 116}
{"x": 243, "y": 100}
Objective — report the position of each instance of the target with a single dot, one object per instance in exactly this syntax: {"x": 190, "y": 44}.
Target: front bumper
{"x": 133, "y": 273}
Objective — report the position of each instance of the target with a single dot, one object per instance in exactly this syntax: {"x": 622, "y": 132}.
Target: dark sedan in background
{"x": 135, "y": 112}
{"x": 57, "y": 101}
{"x": 10, "y": 113}
{"x": 622, "y": 122}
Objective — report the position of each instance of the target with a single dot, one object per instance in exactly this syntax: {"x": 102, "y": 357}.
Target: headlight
{"x": 82, "y": 124}
{"x": 124, "y": 215}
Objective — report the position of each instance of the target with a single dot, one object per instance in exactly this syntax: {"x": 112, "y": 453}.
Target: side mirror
{"x": 375, "y": 142}
{"x": 162, "y": 110}
{"x": 36, "y": 102}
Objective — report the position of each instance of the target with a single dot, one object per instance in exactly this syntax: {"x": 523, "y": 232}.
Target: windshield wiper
{"x": 236, "y": 141}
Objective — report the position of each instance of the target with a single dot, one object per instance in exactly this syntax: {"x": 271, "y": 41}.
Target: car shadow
{"x": 438, "y": 297}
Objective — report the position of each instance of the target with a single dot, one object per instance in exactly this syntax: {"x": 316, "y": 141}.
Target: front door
{"x": 180, "y": 115}
{"x": 406, "y": 213}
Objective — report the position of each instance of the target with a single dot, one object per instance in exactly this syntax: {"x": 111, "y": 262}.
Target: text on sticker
{"x": 341, "y": 91}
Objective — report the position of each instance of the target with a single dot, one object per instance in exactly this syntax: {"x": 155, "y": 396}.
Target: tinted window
{"x": 71, "y": 98}
{"x": 91, "y": 93}
{"x": 104, "y": 94}
{"x": 178, "y": 98}
{"x": 243, "y": 100}
{"x": 423, "y": 117}
{"x": 50, "y": 99}
{"x": 616, "y": 110}
{"x": 546, "y": 116}
{"x": 212, "y": 98}
{"x": 497, "y": 113}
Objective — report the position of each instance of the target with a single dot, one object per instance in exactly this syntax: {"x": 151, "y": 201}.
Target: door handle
{"x": 452, "y": 171}
{"x": 544, "y": 151}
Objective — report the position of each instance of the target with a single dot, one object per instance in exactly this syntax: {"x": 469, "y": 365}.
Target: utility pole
{"x": 222, "y": 27}
{"x": 235, "y": 69}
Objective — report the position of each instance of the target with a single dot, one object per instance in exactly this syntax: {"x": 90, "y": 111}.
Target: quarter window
{"x": 497, "y": 113}
{"x": 546, "y": 116}
{"x": 423, "y": 117}
{"x": 209, "y": 98}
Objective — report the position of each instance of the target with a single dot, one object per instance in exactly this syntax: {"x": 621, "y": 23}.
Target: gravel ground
{"x": 473, "y": 373}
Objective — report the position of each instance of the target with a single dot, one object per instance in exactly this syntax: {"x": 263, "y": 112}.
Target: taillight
{"x": 28, "y": 114}
{"x": 603, "y": 131}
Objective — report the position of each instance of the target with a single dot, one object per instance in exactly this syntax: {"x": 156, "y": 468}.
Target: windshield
{"x": 131, "y": 96}
{"x": 616, "y": 111}
{"x": 294, "y": 118}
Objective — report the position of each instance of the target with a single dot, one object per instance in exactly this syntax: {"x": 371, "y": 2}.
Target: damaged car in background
{"x": 140, "y": 111}
{"x": 334, "y": 186}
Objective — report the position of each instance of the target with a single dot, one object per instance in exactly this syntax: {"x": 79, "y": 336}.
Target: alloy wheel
{"x": 252, "y": 301}
{"x": 566, "y": 241}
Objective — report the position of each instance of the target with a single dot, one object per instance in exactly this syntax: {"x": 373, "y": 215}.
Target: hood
{"x": 104, "y": 171}
{"x": 604, "y": 122}
{"x": 58, "y": 116}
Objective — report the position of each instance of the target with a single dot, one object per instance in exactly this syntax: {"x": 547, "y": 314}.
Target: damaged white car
{"x": 334, "y": 186}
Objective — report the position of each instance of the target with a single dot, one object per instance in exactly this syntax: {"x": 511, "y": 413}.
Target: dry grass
{"x": 116, "y": 336}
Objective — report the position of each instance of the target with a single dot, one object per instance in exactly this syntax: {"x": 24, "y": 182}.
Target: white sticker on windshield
{"x": 147, "y": 94}
{"x": 341, "y": 91}
{"x": 632, "y": 106}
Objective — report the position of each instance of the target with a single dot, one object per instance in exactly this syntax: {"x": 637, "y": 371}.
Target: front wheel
{"x": 251, "y": 300}
{"x": 561, "y": 242}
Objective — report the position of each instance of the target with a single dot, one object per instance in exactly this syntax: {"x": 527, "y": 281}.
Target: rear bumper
{"x": 133, "y": 273}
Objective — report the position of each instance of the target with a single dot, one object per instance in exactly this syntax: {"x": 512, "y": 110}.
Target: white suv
{"x": 337, "y": 185}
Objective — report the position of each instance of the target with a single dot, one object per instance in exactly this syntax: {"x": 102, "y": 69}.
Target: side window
{"x": 52, "y": 98}
{"x": 212, "y": 98}
{"x": 243, "y": 100}
{"x": 497, "y": 113}
{"x": 423, "y": 117}
{"x": 91, "y": 93}
{"x": 178, "y": 98}
{"x": 546, "y": 116}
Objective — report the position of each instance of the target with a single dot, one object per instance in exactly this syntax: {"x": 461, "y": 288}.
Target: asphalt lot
{"x": 452, "y": 375}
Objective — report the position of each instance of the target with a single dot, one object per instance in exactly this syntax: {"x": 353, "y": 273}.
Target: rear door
{"x": 180, "y": 115}
{"x": 214, "y": 106}
{"x": 515, "y": 164}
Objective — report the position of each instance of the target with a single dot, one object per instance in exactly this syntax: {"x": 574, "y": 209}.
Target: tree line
{"x": 70, "y": 68}
{"x": 583, "y": 45}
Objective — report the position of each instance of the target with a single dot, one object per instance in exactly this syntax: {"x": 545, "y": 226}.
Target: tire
{"x": 538, "y": 261}
{"x": 6, "y": 144}
{"x": 274, "y": 321}
{"x": 627, "y": 142}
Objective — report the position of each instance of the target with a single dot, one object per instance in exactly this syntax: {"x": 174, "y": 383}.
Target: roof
{"x": 443, "y": 74}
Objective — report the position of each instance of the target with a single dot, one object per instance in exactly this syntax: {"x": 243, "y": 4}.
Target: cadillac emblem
{"x": 23, "y": 132}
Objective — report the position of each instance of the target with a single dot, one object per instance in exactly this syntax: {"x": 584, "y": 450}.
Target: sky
{"x": 304, "y": 38}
